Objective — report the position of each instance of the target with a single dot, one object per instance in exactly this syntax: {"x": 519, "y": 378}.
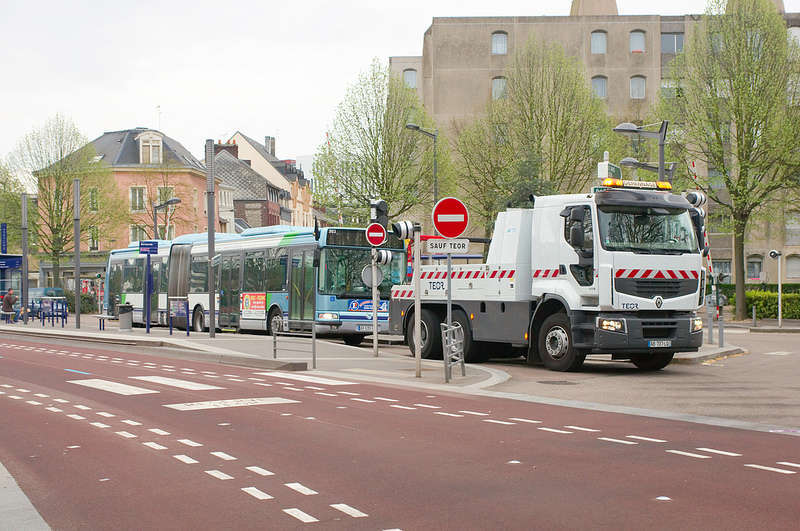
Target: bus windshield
{"x": 340, "y": 273}
{"x": 646, "y": 230}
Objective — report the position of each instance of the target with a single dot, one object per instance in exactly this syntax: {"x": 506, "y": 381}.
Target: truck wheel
{"x": 555, "y": 345}
{"x": 431, "y": 332}
{"x": 474, "y": 351}
{"x": 652, "y": 362}
{"x": 353, "y": 340}
{"x": 197, "y": 320}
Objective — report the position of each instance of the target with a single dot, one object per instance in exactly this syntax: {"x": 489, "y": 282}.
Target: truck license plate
{"x": 659, "y": 343}
{"x": 363, "y": 328}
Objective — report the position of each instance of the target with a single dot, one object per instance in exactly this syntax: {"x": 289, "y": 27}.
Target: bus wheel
{"x": 353, "y": 340}
{"x": 652, "y": 362}
{"x": 197, "y": 320}
{"x": 555, "y": 345}
{"x": 431, "y": 332}
{"x": 274, "y": 322}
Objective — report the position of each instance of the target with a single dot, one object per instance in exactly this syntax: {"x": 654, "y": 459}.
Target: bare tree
{"x": 737, "y": 111}
{"x": 369, "y": 153}
{"x": 51, "y": 157}
{"x": 11, "y": 207}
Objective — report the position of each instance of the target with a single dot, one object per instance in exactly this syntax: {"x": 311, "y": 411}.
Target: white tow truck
{"x": 616, "y": 271}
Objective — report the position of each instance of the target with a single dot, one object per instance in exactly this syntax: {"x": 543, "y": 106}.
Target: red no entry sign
{"x": 450, "y": 217}
{"x": 376, "y": 234}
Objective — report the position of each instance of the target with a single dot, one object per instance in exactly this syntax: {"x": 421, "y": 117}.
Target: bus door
{"x": 301, "y": 287}
{"x": 155, "y": 265}
{"x": 229, "y": 291}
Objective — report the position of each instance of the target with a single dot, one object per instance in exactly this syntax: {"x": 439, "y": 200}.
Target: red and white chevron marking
{"x": 545, "y": 273}
{"x": 402, "y": 293}
{"x": 668, "y": 274}
{"x": 453, "y": 274}
{"x": 502, "y": 273}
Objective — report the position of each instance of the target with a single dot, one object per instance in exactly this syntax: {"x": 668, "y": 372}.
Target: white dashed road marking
{"x": 324, "y": 394}
{"x": 158, "y": 431}
{"x": 358, "y": 399}
{"x": 260, "y": 471}
{"x": 174, "y": 382}
{"x": 131, "y": 423}
{"x": 428, "y": 406}
{"x": 720, "y": 452}
{"x": 99, "y": 425}
{"x": 82, "y": 407}
{"x": 189, "y": 442}
{"x": 218, "y": 474}
{"x": 771, "y": 469}
{"x": 385, "y": 399}
{"x": 689, "y": 454}
{"x": 257, "y": 494}
{"x": 304, "y": 378}
{"x": 529, "y": 421}
{"x": 553, "y": 430}
{"x": 113, "y": 387}
{"x": 155, "y": 445}
{"x": 447, "y": 414}
{"x": 76, "y": 417}
{"x": 125, "y": 434}
{"x": 467, "y": 412}
{"x": 788, "y": 463}
{"x": 302, "y": 489}
{"x": 620, "y": 441}
{"x": 237, "y": 402}
{"x": 223, "y": 456}
{"x": 54, "y": 409}
{"x": 499, "y": 422}
{"x": 106, "y": 415}
{"x": 300, "y": 515}
{"x": 579, "y": 428}
{"x": 649, "y": 439}
{"x": 185, "y": 459}
{"x": 346, "y": 509}
{"x": 402, "y": 407}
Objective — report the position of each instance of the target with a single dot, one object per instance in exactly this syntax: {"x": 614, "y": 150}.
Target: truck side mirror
{"x": 706, "y": 250}
{"x": 576, "y": 235}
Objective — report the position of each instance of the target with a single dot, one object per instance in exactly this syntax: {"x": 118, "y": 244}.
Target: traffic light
{"x": 403, "y": 229}
{"x": 383, "y": 257}
{"x": 379, "y": 212}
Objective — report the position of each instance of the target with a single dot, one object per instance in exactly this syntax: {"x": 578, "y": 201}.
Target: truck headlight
{"x": 612, "y": 325}
{"x": 696, "y": 324}
{"x": 328, "y": 316}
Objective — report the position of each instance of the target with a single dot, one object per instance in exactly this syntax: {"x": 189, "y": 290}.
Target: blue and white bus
{"x": 266, "y": 280}
{"x": 125, "y": 282}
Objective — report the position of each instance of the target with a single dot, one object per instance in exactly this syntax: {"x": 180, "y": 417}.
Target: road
{"x": 99, "y": 438}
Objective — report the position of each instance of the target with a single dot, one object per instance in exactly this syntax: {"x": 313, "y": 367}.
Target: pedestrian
{"x": 8, "y": 304}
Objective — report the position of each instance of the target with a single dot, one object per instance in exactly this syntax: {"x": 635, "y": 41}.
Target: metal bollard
{"x": 710, "y": 314}
{"x": 313, "y": 345}
{"x": 186, "y": 307}
{"x": 754, "y": 316}
{"x": 274, "y": 344}
{"x": 721, "y": 324}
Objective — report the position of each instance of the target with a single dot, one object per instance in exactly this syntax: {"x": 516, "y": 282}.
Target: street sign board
{"x": 450, "y": 217}
{"x": 376, "y": 234}
{"x": 445, "y": 246}
{"x": 3, "y": 238}
{"x": 148, "y": 247}
{"x": 366, "y": 276}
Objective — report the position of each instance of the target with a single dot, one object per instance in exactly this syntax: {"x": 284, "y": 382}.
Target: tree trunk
{"x": 739, "y": 224}
{"x": 56, "y": 272}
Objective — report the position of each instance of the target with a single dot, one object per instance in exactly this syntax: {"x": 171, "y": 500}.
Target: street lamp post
{"x": 630, "y": 129}
{"x": 156, "y": 208}
{"x": 669, "y": 169}
{"x": 434, "y": 135}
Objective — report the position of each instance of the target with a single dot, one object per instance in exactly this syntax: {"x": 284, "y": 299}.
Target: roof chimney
{"x": 231, "y": 148}
{"x": 269, "y": 143}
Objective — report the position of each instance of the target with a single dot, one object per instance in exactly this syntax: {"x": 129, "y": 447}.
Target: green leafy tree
{"x": 51, "y": 156}
{"x": 737, "y": 112}
{"x": 369, "y": 153}
{"x": 11, "y": 190}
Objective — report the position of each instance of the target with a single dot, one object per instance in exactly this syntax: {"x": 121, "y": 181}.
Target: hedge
{"x": 730, "y": 289}
{"x": 88, "y": 302}
{"x": 766, "y": 303}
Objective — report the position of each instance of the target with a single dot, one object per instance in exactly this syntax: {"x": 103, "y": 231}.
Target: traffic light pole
{"x": 375, "y": 302}
{"x": 417, "y": 299}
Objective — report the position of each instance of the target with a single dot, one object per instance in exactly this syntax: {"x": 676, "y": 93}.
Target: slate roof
{"x": 119, "y": 148}
{"x": 247, "y": 183}
{"x": 261, "y": 148}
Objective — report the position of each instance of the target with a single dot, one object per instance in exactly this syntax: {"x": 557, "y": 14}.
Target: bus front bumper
{"x": 351, "y": 326}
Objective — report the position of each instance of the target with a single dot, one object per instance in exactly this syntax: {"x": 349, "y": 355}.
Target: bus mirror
{"x": 316, "y": 229}
{"x": 316, "y": 257}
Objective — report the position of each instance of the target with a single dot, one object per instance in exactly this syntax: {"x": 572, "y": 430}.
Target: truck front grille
{"x": 659, "y": 329}
{"x": 649, "y": 288}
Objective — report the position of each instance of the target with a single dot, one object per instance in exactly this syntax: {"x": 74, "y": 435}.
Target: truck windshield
{"x": 646, "y": 230}
{"x": 340, "y": 273}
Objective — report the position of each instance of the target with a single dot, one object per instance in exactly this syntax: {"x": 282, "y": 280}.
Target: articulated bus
{"x": 125, "y": 282}
{"x": 266, "y": 281}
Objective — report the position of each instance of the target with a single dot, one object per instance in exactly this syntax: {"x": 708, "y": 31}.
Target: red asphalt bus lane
{"x": 391, "y": 453}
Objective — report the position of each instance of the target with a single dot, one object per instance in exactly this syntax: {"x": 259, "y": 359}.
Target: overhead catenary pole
{"x": 417, "y": 300}
{"x": 76, "y": 185}
{"x": 24, "y": 286}
{"x": 212, "y": 290}
{"x": 375, "y": 302}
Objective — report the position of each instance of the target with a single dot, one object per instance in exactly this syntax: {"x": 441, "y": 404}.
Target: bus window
{"x": 164, "y": 280}
{"x": 198, "y": 280}
{"x": 133, "y": 276}
{"x": 276, "y": 270}
{"x": 254, "y": 272}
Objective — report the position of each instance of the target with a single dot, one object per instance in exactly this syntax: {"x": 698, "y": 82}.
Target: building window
{"x": 637, "y": 42}
{"x": 499, "y": 43}
{"x": 165, "y": 193}
{"x": 754, "y": 268}
{"x": 94, "y": 239}
{"x": 599, "y": 42}
{"x": 600, "y": 86}
{"x": 93, "y": 199}
{"x": 150, "y": 151}
{"x": 637, "y": 87}
{"x": 137, "y": 233}
{"x": 138, "y": 197}
{"x": 672, "y": 43}
{"x": 723, "y": 268}
{"x": 793, "y": 266}
{"x": 410, "y": 78}
{"x": 498, "y": 88}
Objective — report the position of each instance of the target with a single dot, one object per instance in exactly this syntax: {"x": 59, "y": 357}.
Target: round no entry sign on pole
{"x": 450, "y": 217}
{"x": 376, "y": 234}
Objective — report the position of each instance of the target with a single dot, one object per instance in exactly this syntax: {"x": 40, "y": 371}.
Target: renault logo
{"x": 659, "y": 301}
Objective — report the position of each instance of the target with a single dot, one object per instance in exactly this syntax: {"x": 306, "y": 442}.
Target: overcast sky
{"x": 265, "y": 68}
